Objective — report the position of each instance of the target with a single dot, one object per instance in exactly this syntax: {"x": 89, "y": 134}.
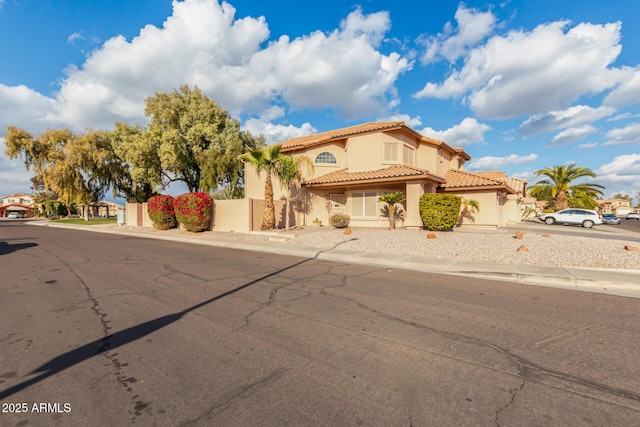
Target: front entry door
{"x": 336, "y": 202}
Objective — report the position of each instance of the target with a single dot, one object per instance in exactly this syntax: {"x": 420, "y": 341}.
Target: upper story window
{"x": 407, "y": 155}
{"x": 390, "y": 154}
{"x": 326, "y": 158}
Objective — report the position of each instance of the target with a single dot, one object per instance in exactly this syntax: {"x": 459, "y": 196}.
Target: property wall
{"x": 232, "y": 215}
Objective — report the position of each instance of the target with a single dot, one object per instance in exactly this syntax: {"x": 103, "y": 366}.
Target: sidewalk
{"x": 620, "y": 282}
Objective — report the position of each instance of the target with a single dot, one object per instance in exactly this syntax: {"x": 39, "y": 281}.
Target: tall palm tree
{"x": 391, "y": 199}
{"x": 290, "y": 173}
{"x": 559, "y": 183}
{"x": 268, "y": 160}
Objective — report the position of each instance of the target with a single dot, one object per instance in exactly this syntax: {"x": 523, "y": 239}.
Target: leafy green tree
{"x": 622, "y": 196}
{"x": 221, "y": 170}
{"x": 274, "y": 164}
{"x": 137, "y": 172}
{"x": 392, "y": 199}
{"x": 560, "y": 184}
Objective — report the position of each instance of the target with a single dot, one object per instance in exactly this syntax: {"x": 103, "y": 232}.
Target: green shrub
{"x": 339, "y": 220}
{"x": 161, "y": 212}
{"x": 194, "y": 211}
{"x": 439, "y": 211}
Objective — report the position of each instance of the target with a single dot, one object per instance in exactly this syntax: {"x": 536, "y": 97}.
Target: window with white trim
{"x": 390, "y": 154}
{"x": 326, "y": 158}
{"x": 407, "y": 154}
{"x": 364, "y": 204}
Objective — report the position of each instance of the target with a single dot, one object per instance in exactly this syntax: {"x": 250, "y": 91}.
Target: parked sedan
{"x": 13, "y": 215}
{"x": 633, "y": 215}
{"x": 610, "y": 219}
{"x": 584, "y": 217}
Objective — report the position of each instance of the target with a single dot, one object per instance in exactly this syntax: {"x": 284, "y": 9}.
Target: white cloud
{"x": 588, "y": 145}
{"x": 473, "y": 27}
{"x": 466, "y": 132}
{"x": 412, "y": 122}
{"x": 554, "y": 120}
{"x": 623, "y": 116}
{"x": 622, "y": 172}
{"x": 75, "y": 36}
{"x": 571, "y": 135}
{"x": 527, "y": 73}
{"x": 624, "y": 136}
{"x": 277, "y": 133}
{"x": 493, "y": 163}
{"x": 14, "y": 177}
{"x": 24, "y": 107}
{"x": 204, "y": 44}
{"x": 628, "y": 93}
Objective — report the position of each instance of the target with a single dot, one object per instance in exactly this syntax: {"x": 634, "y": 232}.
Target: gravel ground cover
{"x": 502, "y": 248}
{"x": 486, "y": 246}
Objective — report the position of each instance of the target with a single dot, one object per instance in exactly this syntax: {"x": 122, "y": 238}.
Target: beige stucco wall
{"x": 490, "y": 208}
{"x": 232, "y": 215}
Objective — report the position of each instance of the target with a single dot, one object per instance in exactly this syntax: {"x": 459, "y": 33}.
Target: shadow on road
{"x": 126, "y": 336}
{"x": 6, "y": 248}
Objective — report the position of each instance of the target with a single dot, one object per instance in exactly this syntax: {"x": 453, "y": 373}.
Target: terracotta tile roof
{"x": 516, "y": 184}
{"x": 496, "y": 175}
{"x": 457, "y": 179}
{"x": 392, "y": 173}
{"x": 304, "y": 141}
{"x": 17, "y": 195}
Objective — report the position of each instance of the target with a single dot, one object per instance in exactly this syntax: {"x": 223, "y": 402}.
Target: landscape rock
{"x": 431, "y": 236}
{"x": 519, "y": 235}
{"x": 631, "y": 248}
{"x": 523, "y": 249}
{"x": 347, "y": 231}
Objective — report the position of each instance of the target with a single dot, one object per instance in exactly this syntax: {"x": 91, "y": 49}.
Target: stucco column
{"x": 414, "y": 191}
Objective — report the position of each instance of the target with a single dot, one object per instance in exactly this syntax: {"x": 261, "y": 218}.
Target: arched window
{"x": 326, "y": 159}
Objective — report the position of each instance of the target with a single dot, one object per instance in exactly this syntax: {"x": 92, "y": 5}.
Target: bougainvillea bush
{"x": 194, "y": 210}
{"x": 161, "y": 212}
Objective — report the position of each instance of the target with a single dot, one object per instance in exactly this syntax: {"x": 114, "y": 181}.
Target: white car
{"x": 13, "y": 215}
{"x": 572, "y": 216}
{"x": 633, "y": 215}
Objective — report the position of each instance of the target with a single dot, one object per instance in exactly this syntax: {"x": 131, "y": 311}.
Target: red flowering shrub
{"x": 161, "y": 212}
{"x": 194, "y": 210}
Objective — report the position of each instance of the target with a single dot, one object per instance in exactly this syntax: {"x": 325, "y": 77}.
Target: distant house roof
{"x": 371, "y": 127}
{"x": 17, "y": 195}
{"x": 458, "y": 180}
{"x": 393, "y": 173}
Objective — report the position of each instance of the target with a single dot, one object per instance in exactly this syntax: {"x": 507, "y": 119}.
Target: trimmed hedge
{"x": 439, "y": 211}
{"x": 339, "y": 220}
{"x": 161, "y": 212}
{"x": 194, "y": 210}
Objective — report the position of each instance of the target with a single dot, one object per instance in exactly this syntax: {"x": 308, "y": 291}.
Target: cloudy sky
{"x": 520, "y": 85}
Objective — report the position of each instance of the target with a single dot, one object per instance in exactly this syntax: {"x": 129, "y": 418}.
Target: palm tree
{"x": 559, "y": 182}
{"x": 468, "y": 211}
{"x": 288, "y": 170}
{"x": 391, "y": 199}
{"x": 290, "y": 173}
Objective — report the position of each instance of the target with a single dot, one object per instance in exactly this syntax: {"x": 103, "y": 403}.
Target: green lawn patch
{"x": 92, "y": 221}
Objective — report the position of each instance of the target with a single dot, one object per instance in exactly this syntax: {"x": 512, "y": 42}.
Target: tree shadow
{"x": 6, "y": 248}
{"x": 126, "y": 336}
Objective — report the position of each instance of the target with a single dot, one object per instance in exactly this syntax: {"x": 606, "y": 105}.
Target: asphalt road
{"x": 100, "y": 329}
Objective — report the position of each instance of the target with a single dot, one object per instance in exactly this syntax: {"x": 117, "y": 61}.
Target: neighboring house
{"x": 17, "y": 202}
{"x": 615, "y": 206}
{"x": 357, "y": 164}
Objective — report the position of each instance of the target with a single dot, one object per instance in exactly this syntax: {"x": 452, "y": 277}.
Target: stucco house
{"x": 353, "y": 166}
{"x": 22, "y": 203}
{"x": 615, "y": 206}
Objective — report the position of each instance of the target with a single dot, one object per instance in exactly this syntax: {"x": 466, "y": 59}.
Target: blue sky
{"x": 520, "y": 85}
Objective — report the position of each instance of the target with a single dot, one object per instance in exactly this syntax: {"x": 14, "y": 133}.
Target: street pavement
{"x": 620, "y": 282}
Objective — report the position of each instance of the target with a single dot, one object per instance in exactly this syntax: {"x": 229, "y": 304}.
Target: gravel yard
{"x": 491, "y": 247}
